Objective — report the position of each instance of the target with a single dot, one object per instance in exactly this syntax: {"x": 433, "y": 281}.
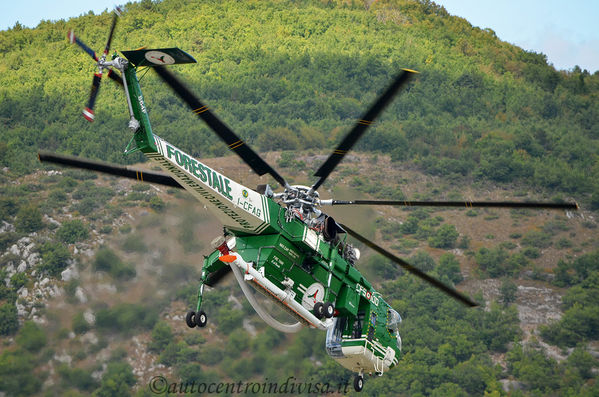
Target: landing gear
{"x": 321, "y": 310}
{"x": 192, "y": 319}
{"x": 328, "y": 310}
{"x": 318, "y": 310}
{"x": 358, "y": 383}
{"x": 198, "y": 318}
{"x": 201, "y": 319}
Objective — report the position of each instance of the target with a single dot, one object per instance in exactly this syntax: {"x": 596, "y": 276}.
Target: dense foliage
{"x": 290, "y": 76}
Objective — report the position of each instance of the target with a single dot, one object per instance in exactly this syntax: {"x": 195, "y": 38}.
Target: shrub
{"x": 18, "y": 280}
{"x": 125, "y": 317}
{"x": 55, "y": 257}
{"x": 537, "y": 239}
{"x": 29, "y": 219}
{"x": 80, "y": 325}
{"x": 31, "y": 337}
{"x": 117, "y": 380}
{"x": 72, "y": 231}
{"x": 107, "y": 260}
{"x": 445, "y": 237}
{"x": 134, "y": 243}
{"x": 8, "y": 208}
{"x": 157, "y": 204}
{"x": 162, "y": 335}
{"x": 9, "y": 322}
{"x": 492, "y": 260}
{"x": 449, "y": 267}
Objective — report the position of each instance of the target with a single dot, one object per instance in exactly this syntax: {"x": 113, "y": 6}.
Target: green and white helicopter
{"x": 281, "y": 244}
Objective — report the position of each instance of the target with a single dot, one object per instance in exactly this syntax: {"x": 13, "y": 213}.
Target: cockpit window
{"x": 393, "y": 321}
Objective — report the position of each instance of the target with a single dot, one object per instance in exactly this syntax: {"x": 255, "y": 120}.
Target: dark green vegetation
{"x": 294, "y": 76}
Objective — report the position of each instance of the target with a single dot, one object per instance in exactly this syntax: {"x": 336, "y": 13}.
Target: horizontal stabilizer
{"x": 158, "y": 57}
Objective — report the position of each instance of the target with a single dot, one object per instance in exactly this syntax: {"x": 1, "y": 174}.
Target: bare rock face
{"x": 70, "y": 273}
{"x": 538, "y": 305}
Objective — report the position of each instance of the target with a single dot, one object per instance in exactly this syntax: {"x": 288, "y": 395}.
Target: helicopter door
{"x": 357, "y": 329}
{"x": 372, "y": 326}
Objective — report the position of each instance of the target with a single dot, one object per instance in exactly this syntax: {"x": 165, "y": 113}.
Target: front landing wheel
{"x": 358, "y": 383}
{"x": 318, "y": 310}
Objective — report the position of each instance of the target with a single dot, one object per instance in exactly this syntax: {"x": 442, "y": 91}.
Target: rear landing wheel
{"x": 358, "y": 383}
{"x": 201, "y": 319}
{"x": 189, "y": 319}
{"x": 328, "y": 310}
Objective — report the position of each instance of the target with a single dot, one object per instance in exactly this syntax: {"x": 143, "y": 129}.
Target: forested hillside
{"x": 291, "y": 75}
{"x": 98, "y": 273}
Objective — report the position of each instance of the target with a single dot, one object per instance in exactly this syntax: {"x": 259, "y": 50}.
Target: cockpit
{"x": 393, "y": 321}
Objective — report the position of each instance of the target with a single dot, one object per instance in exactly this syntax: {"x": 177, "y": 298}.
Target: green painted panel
{"x": 354, "y": 275}
{"x": 347, "y": 302}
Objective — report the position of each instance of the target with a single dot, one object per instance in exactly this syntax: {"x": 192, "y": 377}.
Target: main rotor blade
{"x": 417, "y": 272}
{"x": 88, "y": 111}
{"x": 257, "y": 164}
{"x": 75, "y": 40}
{"x": 158, "y": 178}
{"x": 361, "y": 126}
{"x": 115, "y": 16}
{"x": 466, "y": 204}
{"x": 115, "y": 77}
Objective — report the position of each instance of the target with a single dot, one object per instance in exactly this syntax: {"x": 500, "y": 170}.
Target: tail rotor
{"x": 88, "y": 111}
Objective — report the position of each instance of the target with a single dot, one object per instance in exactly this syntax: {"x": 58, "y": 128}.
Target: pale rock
{"x": 22, "y": 267}
{"x": 23, "y": 292}
{"x": 14, "y": 250}
{"x": 80, "y": 295}
{"x": 55, "y": 291}
{"x": 21, "y": 309}
{"x": 90, "y": 337}
{"x": 89, "y": 316}
{"x": 45, "y": 281}
{"x": 70, "y": 273}
{"x": 33, "y": 259}
{"x": 6, "y": 227}
{"x": 107, "y": 287}
{"x": 51, "y": 220}
{"x": 63, "y": 358}
{"x": 10, "y": 268}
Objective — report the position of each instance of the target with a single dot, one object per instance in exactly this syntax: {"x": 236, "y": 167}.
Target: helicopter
{"x": 280, "y": 244}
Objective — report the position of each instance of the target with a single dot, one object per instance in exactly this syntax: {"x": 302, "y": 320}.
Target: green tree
{"x": 117, "y": 381}
{"x": 9, "y": 322}
{"x": 28, "y": 219}
{"x": 449, "y": 267}
{"x": 162, "y": 335}
{"x": 31, "y": 337}
{"x": 444, "y": 237}
{"x": 16, "y": 373}
{"x": 508, "y": 291}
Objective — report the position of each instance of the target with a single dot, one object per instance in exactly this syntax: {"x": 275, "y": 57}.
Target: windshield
{"x": 393, "y": 321}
